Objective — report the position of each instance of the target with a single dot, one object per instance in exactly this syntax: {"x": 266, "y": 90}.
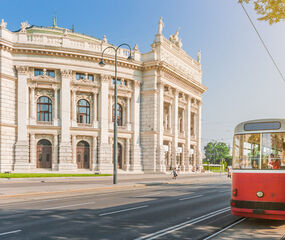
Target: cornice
{"x": 9, "y": 77}
{"x": 8, "y": 125}
{"x": 32, "y": 49}
{"x": 164, "y": 67}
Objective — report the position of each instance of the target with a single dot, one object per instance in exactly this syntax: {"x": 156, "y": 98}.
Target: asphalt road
{"x": 163, "y": 211}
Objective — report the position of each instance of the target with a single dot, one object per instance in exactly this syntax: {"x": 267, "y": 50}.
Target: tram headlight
{"x": 259, "y": 194}
{"x": 235, "y": 192}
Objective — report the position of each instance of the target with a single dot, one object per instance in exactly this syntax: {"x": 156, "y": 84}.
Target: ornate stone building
{"x": 56, "y": 103}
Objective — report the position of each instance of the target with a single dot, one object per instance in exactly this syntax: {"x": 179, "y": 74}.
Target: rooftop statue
{"x": 175, "y": 38}
{"x": 3, "y": 24}
{"x": 160, "y": 26}
{"x": 24, "y": 25}
{"x": 199, "y": 57}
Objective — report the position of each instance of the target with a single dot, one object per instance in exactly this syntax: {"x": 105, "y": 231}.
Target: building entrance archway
{"x": 83, "y": 155}
{"x": 44, "y": 154}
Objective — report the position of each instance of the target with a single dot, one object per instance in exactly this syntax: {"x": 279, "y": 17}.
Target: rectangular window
{"x": 259, "y": 151}
{"x": 90, "y": 77}
{"x": 80, "y": 76}
{"x": 50, "y": 73}
{"x": 38, "y": 72}
{"x": 119, "y": 82}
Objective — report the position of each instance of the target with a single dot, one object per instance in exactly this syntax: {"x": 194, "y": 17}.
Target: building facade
{"x": 56, "y": 103}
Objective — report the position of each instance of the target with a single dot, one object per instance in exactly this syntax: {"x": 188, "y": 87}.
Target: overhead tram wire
{"x": 263, "y": 43}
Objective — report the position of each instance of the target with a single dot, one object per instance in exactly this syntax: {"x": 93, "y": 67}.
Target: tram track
{"x": 223, "y": 229}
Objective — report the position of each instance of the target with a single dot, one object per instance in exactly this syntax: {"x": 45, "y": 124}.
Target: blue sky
{"x": 242, "y": 82}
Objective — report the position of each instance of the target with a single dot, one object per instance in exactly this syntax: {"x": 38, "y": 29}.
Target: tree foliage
{"x": 270, "y": 10}
{"x": 215, "y": 152}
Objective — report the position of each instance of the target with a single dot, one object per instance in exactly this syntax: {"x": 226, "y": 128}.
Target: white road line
{"x": 73, "y": 205}
{"x": 182, "y": 225}
{"x": 182, "y": 199}
{"x": 124, "y": 210}
{"x": 225, "y": 191}
{"x": 147, "y": 195}
{"x": 6, "y": 233}
{"x": 215, "y": 234}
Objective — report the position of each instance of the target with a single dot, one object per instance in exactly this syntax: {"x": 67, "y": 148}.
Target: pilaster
{"x": 65, "y": 151}
{"x": 160, "y": 158}
{"x": 104, "y": 148}
{"x": 55, "y": 153}
{"x": 136, "y": 149}
{"x": 188, "y": 134}
{"x": 175, "y": 129}
{"x": 22, "y": 144}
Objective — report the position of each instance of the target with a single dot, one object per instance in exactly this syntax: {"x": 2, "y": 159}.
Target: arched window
{"x": 83, "y": 111}
{"x": 44, "y": 106}
{"x": 119, "y": 114}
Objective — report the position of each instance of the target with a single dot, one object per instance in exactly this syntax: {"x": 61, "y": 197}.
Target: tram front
{"x": 258, "y": 175}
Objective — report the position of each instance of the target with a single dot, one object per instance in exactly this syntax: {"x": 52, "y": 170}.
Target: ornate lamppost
{"x": 102, "y": 63}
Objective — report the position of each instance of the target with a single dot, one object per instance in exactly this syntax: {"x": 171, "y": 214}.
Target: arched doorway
{"x": 44, "y": 154}
{"x": 119, "y": 156}
{"x": 83, "y": 155}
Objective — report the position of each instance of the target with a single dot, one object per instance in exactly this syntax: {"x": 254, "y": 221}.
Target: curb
{"x": 74, "y": 190}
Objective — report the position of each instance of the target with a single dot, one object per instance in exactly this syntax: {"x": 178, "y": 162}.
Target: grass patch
{"x": 39, "y": 175}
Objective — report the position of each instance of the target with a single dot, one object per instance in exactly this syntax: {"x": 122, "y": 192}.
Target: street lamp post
{"x": 102, "y": 63}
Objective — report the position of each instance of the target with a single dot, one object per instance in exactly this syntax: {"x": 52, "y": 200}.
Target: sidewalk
{"x": 254, "y": 229}
{"x": 16, "y": 187}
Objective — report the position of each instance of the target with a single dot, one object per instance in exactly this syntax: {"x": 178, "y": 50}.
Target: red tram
{"x": 258, "y": 170}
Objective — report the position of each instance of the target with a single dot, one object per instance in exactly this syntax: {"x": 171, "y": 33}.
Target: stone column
{"x": 74, "y": 117}
{"x": 183, "y": 158}
{"x": 94, "y": 154}
{"x": 175, "y": 130}
{"x": 127, "y": 155}
{"x": 136, "y": 149}
{"x": 74, "y": 149}
{"x": 33, "y": 115}
{"x": 170, "y": 117}
{"x": 169, "y": 156}
{"x": 104, "y": 149}
{"x": 33, "y": 147}
{"x": 188, "y": 134}
{"x": 94, "y": 109}
{"x": 128, "y": 121}
{"x": 55, "y": 116}
{"x": 199, "y": 157}
{"x": 160, "y": 158}
{"x": 22, "y": 144}
{"x": 65, "y": 151}
{"x": 55, "y": 153}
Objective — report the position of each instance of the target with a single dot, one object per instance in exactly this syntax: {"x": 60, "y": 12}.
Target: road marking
{"x": 215, "y": 234}
{"x": 224, "y": 191}
{"x": 124, "y": 210}
{"x": 182, "y": 225}
{"x": 73, "y": 205}
{"x": 6, "y": 233}
{"x": 182, "y": 199}
{"x": 147, "y": 195}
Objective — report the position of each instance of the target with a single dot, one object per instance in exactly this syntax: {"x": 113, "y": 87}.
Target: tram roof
{"x": 262, "y": 125}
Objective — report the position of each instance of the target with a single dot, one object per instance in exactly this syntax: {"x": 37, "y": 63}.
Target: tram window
{"x": 262, "y": 126}
{"x": 259, "y": 151}
{"x": 246, "y": 151}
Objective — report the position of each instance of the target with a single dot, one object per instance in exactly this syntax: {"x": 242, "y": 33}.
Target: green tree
{"x": 216, "y": 152}
{"x": 270, "y": 10}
